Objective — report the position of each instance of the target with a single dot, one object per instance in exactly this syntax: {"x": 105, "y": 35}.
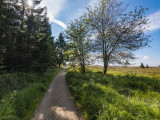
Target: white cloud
{"x": 92, "y": 3}
{"x": 52, "y": 19}
{"x": 145, "y": 57}
{"x": 155, "y": 21}
{"x": 138, "y": 56}
{"x": 54, "y": 7}
{"x": 30, "y": 3}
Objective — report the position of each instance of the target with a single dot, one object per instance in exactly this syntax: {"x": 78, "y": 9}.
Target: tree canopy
{"x": 26, "y": 42}
{"x": 115, "y": 32}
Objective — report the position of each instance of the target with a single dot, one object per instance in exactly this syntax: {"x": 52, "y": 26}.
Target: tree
{"x": 26, "y": 42}
{"x": 118, "y": 33}
{"x": 147, "y": 66}
{"x": 142, "y": 65}
{"x": 44, "y": 53}
{"x": 61, "y": 42}
{"x": 60, "y": 48}
{"x": 9, "y": 19}
{"x": 78, "y": 35}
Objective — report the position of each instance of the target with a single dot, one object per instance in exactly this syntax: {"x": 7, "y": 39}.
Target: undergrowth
{"x": 22, "y": 93}
{"x": 121, "y": 97}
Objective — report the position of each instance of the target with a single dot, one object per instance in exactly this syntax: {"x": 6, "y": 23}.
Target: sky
{"x": 61, "y": 12}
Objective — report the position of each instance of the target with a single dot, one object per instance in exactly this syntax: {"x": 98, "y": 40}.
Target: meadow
{"x": 116, "y": 70}
{"x": 130, "y": 93}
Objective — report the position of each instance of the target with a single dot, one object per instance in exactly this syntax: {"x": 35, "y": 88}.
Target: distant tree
{"x": 142, "y": 65}
{"x": 118, "y": 33}
{"x": 127, "y": 63}
{"x": 147, "y": 66}
{"x": 78, "y": 35}
{"x": 60, "y": 43}
{"x": 60, "y": 48}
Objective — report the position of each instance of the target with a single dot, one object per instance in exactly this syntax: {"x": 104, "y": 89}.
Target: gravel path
{"x": 57, "y": 103}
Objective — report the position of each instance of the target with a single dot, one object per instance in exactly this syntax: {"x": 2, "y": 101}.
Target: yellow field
{"x": 148, "y": 72}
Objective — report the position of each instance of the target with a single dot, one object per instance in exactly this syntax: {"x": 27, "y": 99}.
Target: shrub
{"x": 22, "y": 95}
{"x": 27, "y": 97}
{"x": 7, "y": 111}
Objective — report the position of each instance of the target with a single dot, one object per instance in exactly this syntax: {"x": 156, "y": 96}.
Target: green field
{"x": 123, "y": 94}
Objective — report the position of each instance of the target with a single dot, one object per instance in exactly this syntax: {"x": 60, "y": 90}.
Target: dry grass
{"x": 147, "y": 72}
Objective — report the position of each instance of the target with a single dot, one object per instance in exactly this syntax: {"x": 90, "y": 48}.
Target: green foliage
{"x": 79, "y": 41}
{"x": 7, "y": 111}
{"x": 142, "y": 65}
{"x": 112, "y": 42}
{"x": 26, "y": 98}
{"x": 22, "y": 96}
{"x": 128, "y": 97}
{"x": 60, "y": 49}
{"x": 26, "y": 37}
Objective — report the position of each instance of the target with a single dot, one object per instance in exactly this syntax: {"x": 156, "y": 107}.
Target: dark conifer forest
{"x": 28, "y": 57}
{"x": 26, "y": 42}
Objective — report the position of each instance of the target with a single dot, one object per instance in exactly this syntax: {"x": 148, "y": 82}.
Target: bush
{"x": 16, "y": 81}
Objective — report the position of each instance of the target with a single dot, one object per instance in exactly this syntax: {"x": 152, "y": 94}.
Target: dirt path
{"x": 57, "y": 103}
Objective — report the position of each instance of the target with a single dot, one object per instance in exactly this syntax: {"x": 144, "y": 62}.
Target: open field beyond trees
{"x": 124, "y": 93}
{"x": 148, "y": 72}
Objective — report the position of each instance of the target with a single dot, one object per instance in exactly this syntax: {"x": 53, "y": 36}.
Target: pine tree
{"x": 26, "y": 38}
{"x": 60, "y": 48}
{"x": 45, "y": 48}
{"x": 9, "y": 19}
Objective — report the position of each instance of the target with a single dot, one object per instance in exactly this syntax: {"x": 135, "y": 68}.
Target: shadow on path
{"x": 57, "y": 103}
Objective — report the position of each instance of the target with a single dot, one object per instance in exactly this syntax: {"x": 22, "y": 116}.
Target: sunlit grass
{"x": 120, "y": 96}
{"x": 148, "y": 72}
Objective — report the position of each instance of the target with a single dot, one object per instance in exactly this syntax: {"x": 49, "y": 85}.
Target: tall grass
{"x": 22, "y": 95}
{"x": 116, "y": 97}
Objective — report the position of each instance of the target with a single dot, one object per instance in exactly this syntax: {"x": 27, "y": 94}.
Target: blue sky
{"x": 61, "y": 12}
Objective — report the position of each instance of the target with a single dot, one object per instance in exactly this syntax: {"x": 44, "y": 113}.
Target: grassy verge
{"x": 20, "y": 99}
{"x": 120, "y": 97}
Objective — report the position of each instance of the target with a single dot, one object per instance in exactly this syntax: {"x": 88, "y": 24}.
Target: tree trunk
{"x": 105, "y": 66}
{"x": 59, "y": 65}
{"x": 105, "y": 69}
{"x": 83, "y": 67}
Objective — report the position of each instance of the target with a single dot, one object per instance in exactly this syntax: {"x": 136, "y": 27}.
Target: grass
{"x": 148, "y": 72}
{"x": 117, "y": 96}
{"x": 20, "y": 98}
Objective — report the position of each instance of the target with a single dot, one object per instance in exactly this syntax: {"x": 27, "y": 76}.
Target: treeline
{"x": 109, "y": 32}
{"x": 26, "y": 42}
